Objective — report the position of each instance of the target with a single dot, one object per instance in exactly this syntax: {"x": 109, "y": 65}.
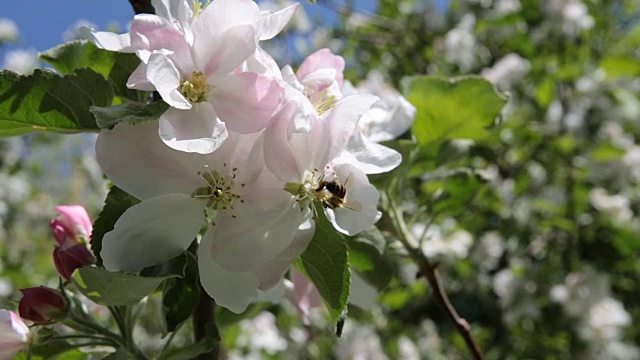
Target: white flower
{"x": 22, "y": 61}
{"x": 8, "y": 30}
{"x": 254, "y": 231}
{"x": 616, "y": 206}
{"x": 461, "y": 45}
{"x": 507, "y": 71}
{"x": 15, "y": 334}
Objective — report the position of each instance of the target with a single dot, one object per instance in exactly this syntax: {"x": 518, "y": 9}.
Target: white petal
{"x": 152, "y": 232}
{"x": 196, "y": 131}
{"x": 262, "y": 63}
{"x": 166, "y": 78}
{"x": 330, "y": 134}
{"x": 107, "y": 40}
{"x": 264, "y": 225}
{"x": 389, "y": 118}
{"x": 219, "y": 54}
{"x": 271, "y": 23}
{"x": 138, "y": 79}
{"x": 368, "y": 156}
{"x": 232, "y": 290}
{"x": 362, "y": 202}
{"x": 137, "y": 161}
{"x": 271, "y": 273}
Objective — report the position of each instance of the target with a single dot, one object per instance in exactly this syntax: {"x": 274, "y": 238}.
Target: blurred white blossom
{"x": 8, "y": 30}
{"x": 615, "y": 206}
{"x": 22, "y": 61}
{"x": 461, "y": 45}
{"x": 507, "y": 71}
{"x": 359, "y": 343}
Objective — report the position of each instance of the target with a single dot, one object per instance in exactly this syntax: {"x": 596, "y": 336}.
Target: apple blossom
{"x": 189, "y": 56}
{"x": 305, "y": 163}
{"x": 253, "y": 231}
{"x": 320, "y": 78}
{"x": 15, "y": 334}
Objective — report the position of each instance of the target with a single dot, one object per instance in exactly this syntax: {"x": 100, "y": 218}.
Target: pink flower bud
{"x": 73, "y": 222}
{"x": 303, "y": 295}
{"x": 71, "y": 230}
{"x": 69, "y": 257}
{"x": 15, "y": 334}
{"x": 43, "y": 305}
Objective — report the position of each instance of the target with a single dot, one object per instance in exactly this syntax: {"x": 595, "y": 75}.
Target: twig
{"x": 433, "y": 276}
{"x": 142, "y": 7}
{"x": 428, "y": 270}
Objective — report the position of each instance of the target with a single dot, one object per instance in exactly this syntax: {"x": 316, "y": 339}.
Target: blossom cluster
{"x": 246, "y": 154}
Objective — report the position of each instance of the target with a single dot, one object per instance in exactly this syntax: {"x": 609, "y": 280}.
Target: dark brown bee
{"x": 338, "y": 198}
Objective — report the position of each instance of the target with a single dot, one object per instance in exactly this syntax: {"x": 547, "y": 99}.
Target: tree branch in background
{"x": 433, "y": 276}
{"x": 142, "y": 6}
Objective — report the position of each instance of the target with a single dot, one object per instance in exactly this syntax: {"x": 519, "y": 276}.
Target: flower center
{"x": 330, "y": 193}
{"x": 323, "y": 102}
{"x": 199, "y": 7}
{"x": 196, "y": 87}
{"x": 218, "y": 191}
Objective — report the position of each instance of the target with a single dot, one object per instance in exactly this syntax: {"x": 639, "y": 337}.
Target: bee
{"x": 338, "y": 195}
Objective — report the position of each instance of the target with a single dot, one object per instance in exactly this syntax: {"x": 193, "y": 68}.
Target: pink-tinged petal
{"x": 263, "y": 226}
{"x": 280, "y": 157}
{"x": 195, "y": 131}
{"x": 271, "y": 272}
{"x": 69, "y": 258}
{"x": 368, "y": 156}
{"x": 107, "y": 40}
{"x": 151, "y": 33}
{"x": 164, "y": 75}
{"x": 322, "y": 58}
{"x": 290, "y": 78}
{"x": 303, "y": 295}
{"x": 330, "y": 134}
{"x": 152, "y": 232}
{"x": 76, "y": 220}
{"x": 15, "y": 334}
{"x": 232, "y": 290}
{"x": 361, "y": 294}
{"x": 217, "y": 55}
{"x": 178, "y": 12}
{"x": 319, "y": 80}
{"x": 138, "y": 79}
{"x": 262, "y": 63}
{"x": 137, "y": 161}
{"x": 223, "y": 14}
{"x": 362, "y": 201}
{"x": 246, "y": 102}
{"x": 271, "y": 23}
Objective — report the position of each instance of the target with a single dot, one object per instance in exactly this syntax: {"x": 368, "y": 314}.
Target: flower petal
{"x": 232, "y": 290}
{"x": 322, "y": 59}
{"x": 272, "y": 271}
{"x": 217, "y": 55}
{"x": 107, "y": 40}
{"x": 389, "y": 118}
{"x": 151, "y": 33}
{"x": 138, "y": 79}
{"x": 76, "y": 219}
{"x": 368, "y": 156}
{"x": 362, "y": 201}
{"x": 255, "y": 231}
{"x": 271, "y": 23}
{"x": 164, "y": 75}
{"x": 280, "y": 157}
{"x": 152, "y": 232}
{"x": 246, "y": 102}
{"x": 330, "y": 134}
{"x": 137, "y": 161}
{"x": 196, "y": 131}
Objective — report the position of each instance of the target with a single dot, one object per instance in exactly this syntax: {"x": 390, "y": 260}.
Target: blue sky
{"x": 43, "y": 28}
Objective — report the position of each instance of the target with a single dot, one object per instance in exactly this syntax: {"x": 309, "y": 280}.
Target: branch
{"x": 433, "y": 276}
{"x": 142, "y": 7}
{"x": 431, "y": 273}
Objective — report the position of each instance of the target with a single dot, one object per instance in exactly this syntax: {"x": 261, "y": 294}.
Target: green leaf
{"x": 325, "y": 263}
{"x": 192, "y": 351}
{"x": 620, "y": 66}
{"x": 133, "y": 113}
{"x": 120, "y": 354}
{"x": 606, "y": 151}
{"x": 180, "y": 296}
{"x": 46, "y": 101}
{"x": 452, "y": 109}
{"x": 116, "y": 67}
{"x": 455, "y": 192}
{"x": 367, "y": 255}
{"x": 116, "y": 203}
{"x": 114, "y": 288}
